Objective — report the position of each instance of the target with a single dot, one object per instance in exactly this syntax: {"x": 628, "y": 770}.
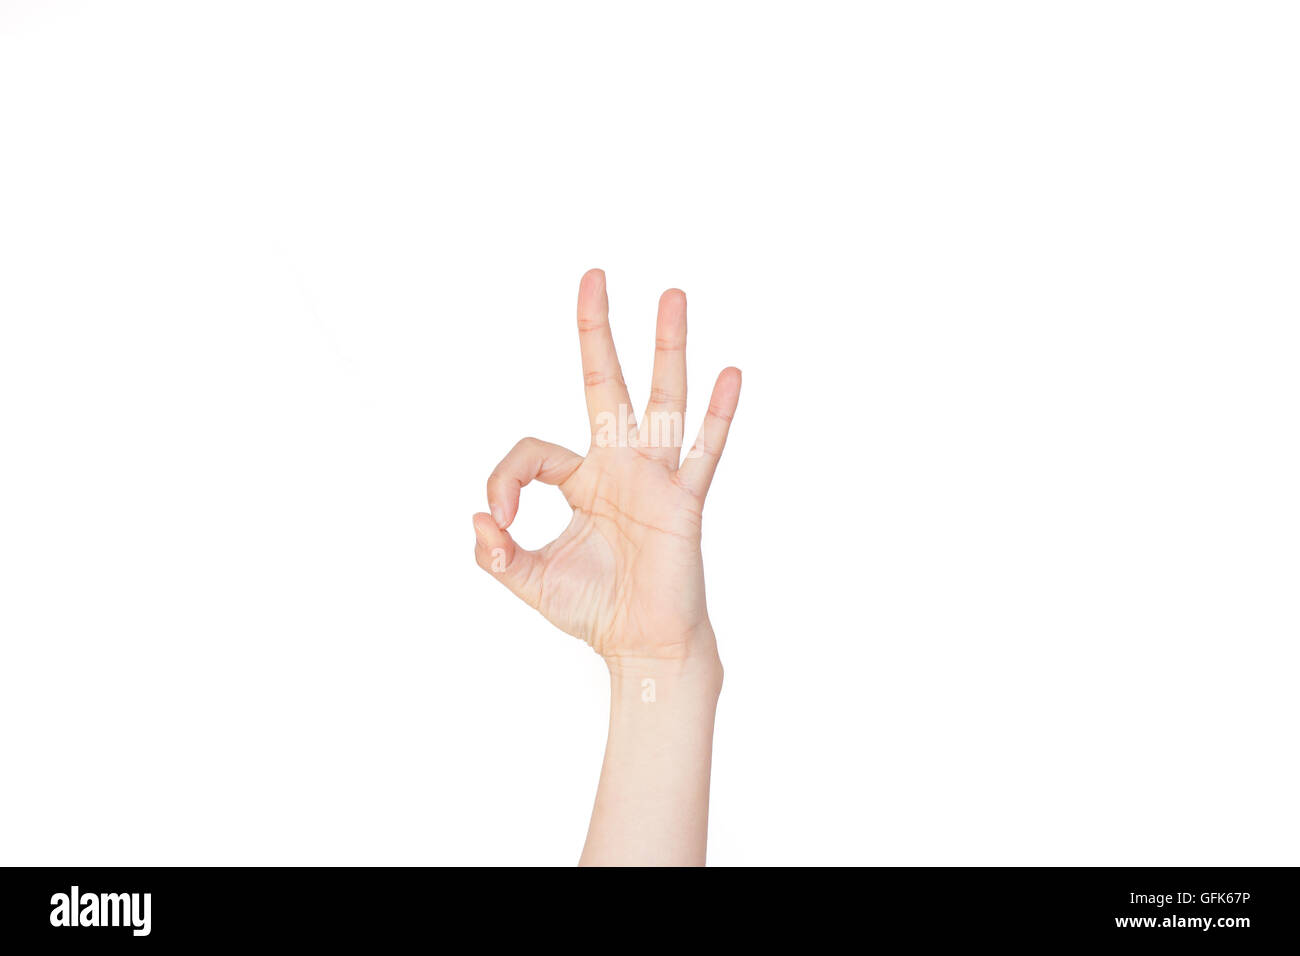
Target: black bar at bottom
{"x": 639, "y": 910}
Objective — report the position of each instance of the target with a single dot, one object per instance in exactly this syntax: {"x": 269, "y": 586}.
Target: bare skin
{"x": 627, "y": 577}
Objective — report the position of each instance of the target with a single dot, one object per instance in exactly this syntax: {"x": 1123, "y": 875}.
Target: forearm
{"x": 652, "y": 805}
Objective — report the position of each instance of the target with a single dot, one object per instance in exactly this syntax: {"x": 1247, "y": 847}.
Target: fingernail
{"x": 499, "y": 515}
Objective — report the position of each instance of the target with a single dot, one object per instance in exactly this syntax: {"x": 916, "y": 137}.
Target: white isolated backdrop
{"x": 1002, "y": 554}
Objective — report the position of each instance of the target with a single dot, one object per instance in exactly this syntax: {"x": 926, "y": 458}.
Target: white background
{"x": 1003, "y": 552}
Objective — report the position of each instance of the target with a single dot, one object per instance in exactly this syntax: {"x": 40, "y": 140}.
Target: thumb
{"x": 517, "y": 568}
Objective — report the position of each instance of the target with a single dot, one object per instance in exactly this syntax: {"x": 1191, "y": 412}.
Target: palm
{"x": 626, "y": 575}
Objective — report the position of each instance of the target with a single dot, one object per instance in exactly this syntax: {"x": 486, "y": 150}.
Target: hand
{"x": 626, "y": 576}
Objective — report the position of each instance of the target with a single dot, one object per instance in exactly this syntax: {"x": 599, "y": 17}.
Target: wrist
{"x": 642, "y": 680}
